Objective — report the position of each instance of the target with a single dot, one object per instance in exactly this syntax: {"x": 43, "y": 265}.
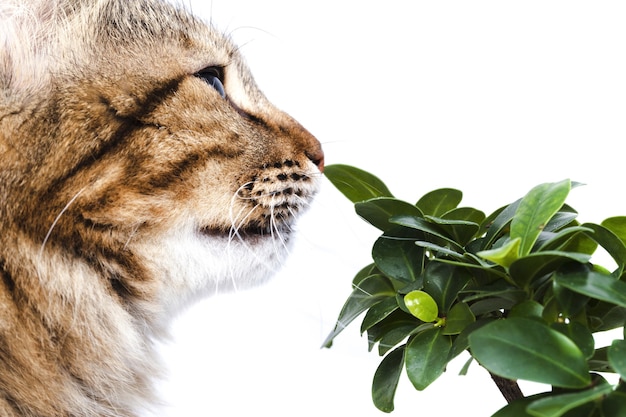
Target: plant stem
{"x": 508, "y": 388}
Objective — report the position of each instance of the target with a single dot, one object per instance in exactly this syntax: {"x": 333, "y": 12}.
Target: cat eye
{"x": 213, "y": 76}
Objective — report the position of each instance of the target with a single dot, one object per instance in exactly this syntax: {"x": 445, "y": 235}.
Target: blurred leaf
{"x": 611, "y": 243}
{"x": 559, "y": 220}
{"x": 617, "y": 225}
{"x": 426, "y": 357}
{"x": 386, "y": 380}
{"x": 583, "y": 280}
{"x": 518, "y": 348}
{"x": 614, "y": 405}
{"x": 599, "y": 362}
{"x": 398, "y": 257}
{"x": 528, "y": 309}
{"x": 504, "y": 255}
{"x": 535, "y": 265}
{"x": 466, "y": 366}
{"x": 581, "y": 243}
{"x": 564, "y": 236}
{"x": 570, "y": 302}
{"x": 491, "y": 306}
{"x": 459, "y": 317}
{"x": 617, "y": 357}
{"x": 356, "y": 184}
{"x": 535, "y": 211}
{"x": 578, "y": 334}
{"x": 605, "y": 316}
{"x": 461, "y": 342}
{"x": 558, "y": 405}
{"x": 378, "y": 211}
{"x": 518, "y": 408}
{"x": 422, "y": 306}
{"x": 437, "y": 202}
{"x": 370, "y": 291}
{"x": 443, "y": 282}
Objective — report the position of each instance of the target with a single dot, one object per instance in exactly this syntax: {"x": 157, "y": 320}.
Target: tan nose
{"x": 317, "y": 157}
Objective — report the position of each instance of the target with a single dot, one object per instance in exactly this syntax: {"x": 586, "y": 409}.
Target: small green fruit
{"x": 422, "y": 306}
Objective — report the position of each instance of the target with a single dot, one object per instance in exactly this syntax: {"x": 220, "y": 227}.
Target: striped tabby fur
{"x": 129, "y": 186}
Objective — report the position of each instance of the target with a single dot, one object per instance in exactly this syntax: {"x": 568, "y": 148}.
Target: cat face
{"x": 148, "y": 151}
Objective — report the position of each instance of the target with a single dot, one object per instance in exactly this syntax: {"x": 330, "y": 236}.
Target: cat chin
{"x": 192, "y": 266}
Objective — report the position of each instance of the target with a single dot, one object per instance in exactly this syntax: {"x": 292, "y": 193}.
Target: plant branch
{"x": 508, "y": 388}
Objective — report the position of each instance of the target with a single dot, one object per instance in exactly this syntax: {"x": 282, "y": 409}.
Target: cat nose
{"x": 317, "y": 157}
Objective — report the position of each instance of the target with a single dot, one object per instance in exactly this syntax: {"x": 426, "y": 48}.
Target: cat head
{"x": 134, "y": 141}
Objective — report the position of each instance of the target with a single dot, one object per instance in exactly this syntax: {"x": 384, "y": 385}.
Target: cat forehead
{"x": 158, "y": 28}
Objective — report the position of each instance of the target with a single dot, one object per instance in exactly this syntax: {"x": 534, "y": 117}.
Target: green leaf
{"x": 563, "y": 236}
{"x": 461, "y": 342}
{"x": 369, "y": 292}
{"x": 398, "y": 257}
{"x": 518, "y": 407}
{"x": 460, "y": 230}
{"x": 498, "y": 226}
{"x": 617, "y": 225}
{"x": 578, "y": 334}
{"x": 570, "y": 302}
{"x": 422, "y": 306}
{"x": 599, "y": 362}
{"x": 505, "y": 255}
{"x": 528, "y": 309}
{"x": 614, "y": 405}
{"x": 459, "y": 317}
{"x": 465, "y": 367}
{"x": 378, "y": 211}
{"x": 438, "y": 202}
{"x": 605, "y": 316}
{"x": 394, "y": 335}
{"x": 583, "y": 280}
{"x": 617, "y": 357}
{"x": 365, "y": 272}
{"x": 356, "y": 184}
{"x": 426, "y": 357}
{"x": 519, "y": 348}
{"x": 417, "y": 223}
{"x": 441, "y": 250}
{"x": 444, "y": 282}
{"x": 386, "y": 380}
{"x": 379, "y": 312}
{"x": 463, "y": 233}
{"x": 560, "y": 219}
{"x": 535, "y": 265}
{"x": 535, "y": 211}
{"x": 611, "y": 243}
{"x": 391, "y": 330}
{"x": 557, "y": 405}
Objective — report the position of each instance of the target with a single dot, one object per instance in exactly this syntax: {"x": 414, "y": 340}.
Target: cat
{"x": 141, "y": 168}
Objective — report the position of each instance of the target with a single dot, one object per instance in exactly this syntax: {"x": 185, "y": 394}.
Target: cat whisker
{"x": 57, "y": 218}
{"x": 131, "y": 236}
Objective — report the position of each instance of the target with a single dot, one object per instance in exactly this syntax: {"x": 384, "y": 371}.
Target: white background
{"x": 489, "y": 97}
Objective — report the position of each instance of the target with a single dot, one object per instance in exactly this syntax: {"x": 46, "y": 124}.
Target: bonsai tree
{"x": 517, "y": 289}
